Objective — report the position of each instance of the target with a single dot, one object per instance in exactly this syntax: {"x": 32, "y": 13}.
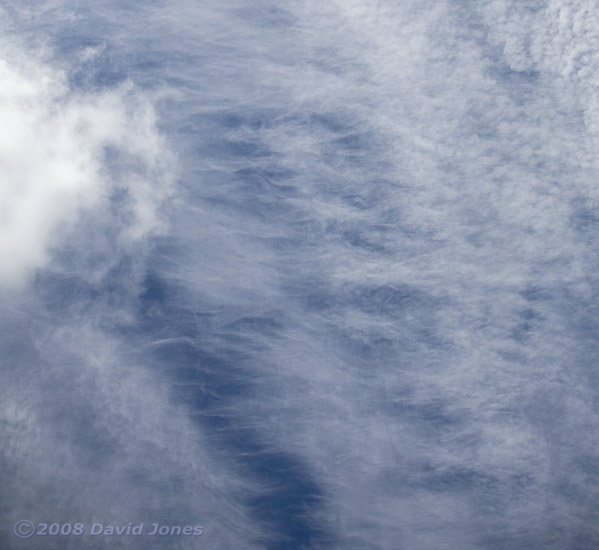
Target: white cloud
{"x": 53, "y": 147}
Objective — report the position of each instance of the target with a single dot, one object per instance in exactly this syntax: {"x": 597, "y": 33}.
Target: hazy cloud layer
{"x": 313, "y": 276}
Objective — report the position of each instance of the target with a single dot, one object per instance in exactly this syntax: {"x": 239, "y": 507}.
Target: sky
{"x": 299, "y": 275}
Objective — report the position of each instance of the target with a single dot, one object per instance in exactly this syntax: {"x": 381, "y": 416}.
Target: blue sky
{"x": 309, "y": 275}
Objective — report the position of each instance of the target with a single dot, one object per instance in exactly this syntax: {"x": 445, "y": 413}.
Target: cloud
{"x": 91, "y": 434}
{"x": 371, "y": 323}
{"x": 393, "y": 205}
{"x": 55, "y": 145}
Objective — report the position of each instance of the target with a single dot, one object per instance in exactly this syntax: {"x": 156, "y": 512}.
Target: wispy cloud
{"x": 370, "y": 323}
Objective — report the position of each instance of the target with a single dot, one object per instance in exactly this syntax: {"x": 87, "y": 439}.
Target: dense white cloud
{"x": 54, "y": 144}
